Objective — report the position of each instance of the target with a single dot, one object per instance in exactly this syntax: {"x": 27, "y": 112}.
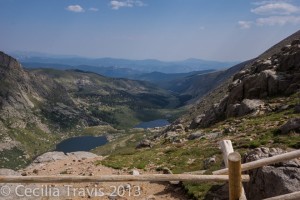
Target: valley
{"x": 156, "y": 122}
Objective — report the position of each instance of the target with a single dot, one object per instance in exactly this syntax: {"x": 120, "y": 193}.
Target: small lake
{"x": 82, "y": 143}
{"x": 153, "y": 124}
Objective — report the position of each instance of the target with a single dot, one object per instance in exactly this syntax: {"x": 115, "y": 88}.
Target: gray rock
{"x": 134, "y": 172}
{"x": 195, "y": 135}
{"x": 196, "y": 121}
{"x": 295, "y": 42}
{"x": 179, "y": 127}
{"x": 297, "y": 109}
{"x": 170, "y": 134}
{"x": 290, "y": 125}
{"x": 213, "y": 135}
{"x": 81, "y": 155}
{"x": 9, "y": 172}
{"x": 209, "y": 161}
{"x": 233, "y": 110}
{"x": 249, "y": 105}
{"x": 50, "y": 157}
{"x": 269, "y": 181}
{"x": 144, "y": 144}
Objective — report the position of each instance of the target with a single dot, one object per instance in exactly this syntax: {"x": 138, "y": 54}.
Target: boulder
{"x": 236, "y": 92}
{"x": 179, "y": 127}
{"x": 81, "y": 155}
{"x": 50, "y": 157}
{"x": 269, "y": 181}
{"x": 256, "y": 86}
{"x": 8, "y": 172}
{"x": 170, "y": 134}
{"x": 209, "y": 161}
{"x": 297, "y": 109}
{"x": 135, "y": 172}
{"x": 290, "y": 125}
{"x": 272, "y": 82}
{"x": 233, "y": 110}
{"x": 196, "y": 121}
{"x": 144, "y": 144}
{"x": 249, "y": 105}
{"x": 195, "y": 135}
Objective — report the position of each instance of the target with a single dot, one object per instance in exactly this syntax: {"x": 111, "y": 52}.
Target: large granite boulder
{"x": 290, "y": 125}
{"x": 272, "y": 180}
{"x": 145, "y": 143}
{"x": 50, "y": 157}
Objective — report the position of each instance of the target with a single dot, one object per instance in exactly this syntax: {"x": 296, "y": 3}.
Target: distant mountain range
{"x": 181, "y": 77}
{"x": 141, "y": 66}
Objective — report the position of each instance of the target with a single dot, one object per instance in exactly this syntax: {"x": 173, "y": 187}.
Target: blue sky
{"x": 227, "y": 30}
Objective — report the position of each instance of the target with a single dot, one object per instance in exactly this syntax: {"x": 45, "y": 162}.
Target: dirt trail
{"x": 112, "y": 191}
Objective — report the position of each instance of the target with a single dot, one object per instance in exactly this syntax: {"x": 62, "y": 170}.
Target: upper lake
{"x": 82, "y": 143}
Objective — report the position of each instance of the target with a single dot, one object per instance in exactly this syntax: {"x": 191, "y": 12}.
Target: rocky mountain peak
{"x": 276, "y": 75}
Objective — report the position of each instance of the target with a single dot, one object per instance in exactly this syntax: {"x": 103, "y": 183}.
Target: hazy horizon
{"x": 67, "y": 56}
{"x": 170, "y": 30}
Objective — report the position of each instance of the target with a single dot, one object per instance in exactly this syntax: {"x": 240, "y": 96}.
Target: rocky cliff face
{"x": 24, "y": 96}
{"x": 276, "y": 75}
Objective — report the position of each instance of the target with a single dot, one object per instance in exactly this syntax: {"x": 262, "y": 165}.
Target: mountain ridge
{"x": 147, "y": 65}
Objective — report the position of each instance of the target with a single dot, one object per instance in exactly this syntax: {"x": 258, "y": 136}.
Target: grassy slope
{"x": 250, "y": 132}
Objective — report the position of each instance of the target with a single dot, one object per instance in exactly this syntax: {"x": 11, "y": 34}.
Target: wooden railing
{"x": 232, "y": 161}
{"x": 235, "y": 169}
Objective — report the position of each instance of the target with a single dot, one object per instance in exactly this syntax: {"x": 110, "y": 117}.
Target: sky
{"x": 223, "y": 30}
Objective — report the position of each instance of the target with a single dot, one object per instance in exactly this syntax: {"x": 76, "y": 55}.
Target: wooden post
{"x": 227, "y": 148}
{"x": 235, "y": 183}
{"x": 264, "y": 162}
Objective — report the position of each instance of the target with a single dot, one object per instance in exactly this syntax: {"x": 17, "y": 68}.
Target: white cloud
{"x": 116, "y": 5}
{"x": 279, "y": 8}
{"x": 245, "y": 24}
{"x": 94, "y": 9}
{"x": 75, "y": 8}
{"x": 278, "y": 13}
{"x": 278, "y": 20}
{"x": 259, "y": 3}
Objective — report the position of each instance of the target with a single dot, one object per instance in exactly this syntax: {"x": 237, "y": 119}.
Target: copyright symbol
{"x": 5, "y": 191}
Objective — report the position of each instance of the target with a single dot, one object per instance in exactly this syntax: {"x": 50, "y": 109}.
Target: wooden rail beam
{"x": 264, "y": 162}
{"x": 118, "y": 178}
{"x": 290, "y": 196}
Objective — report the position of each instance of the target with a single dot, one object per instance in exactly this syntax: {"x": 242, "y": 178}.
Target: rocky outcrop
{"x": 144, "y": 144}
{"x": 245, "y": 107}
{"x": 82, "y": 155}
{"x": 57, "y": 155}
{"x": 291, "y": 125}
{"x": 276, "y": 75}
{"x": 196, "y": 135}
{"x": 274, "y": 180}
{"x": 9, "y": 172}
{"x": 50, "y": 157}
